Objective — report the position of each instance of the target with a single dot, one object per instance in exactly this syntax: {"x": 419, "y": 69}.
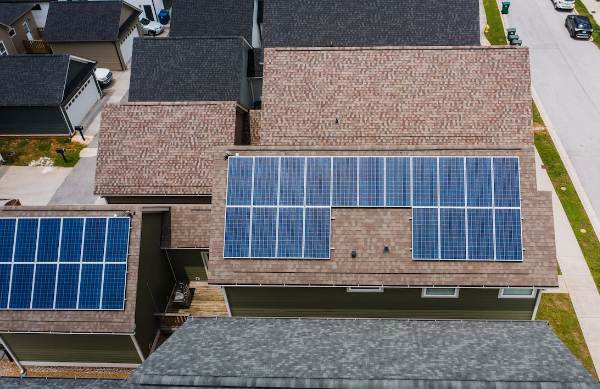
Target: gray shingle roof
{"x": 83, "y": 21}
{"x": 186, "y": 69}
{"x": 59, "y": 383}
{"x": 304, "y": 23}
{"x": 210, "y": 18}
{"x": 9, "y": 12}
{"x": 32, "y": 80}
{"x": 224, "y": 352}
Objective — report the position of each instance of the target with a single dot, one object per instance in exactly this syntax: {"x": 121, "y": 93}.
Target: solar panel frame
{"x": 46, "y": 275}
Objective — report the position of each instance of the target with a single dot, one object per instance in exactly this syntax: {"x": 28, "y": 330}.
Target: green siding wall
{"x": 73, "y": 348}
{"x": 155, "y": 281}
{"x": 188, "y": 265}
{"x": 398, "y": 303}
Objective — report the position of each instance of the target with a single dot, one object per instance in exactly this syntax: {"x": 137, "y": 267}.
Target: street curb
{"x": 587, "y": 205}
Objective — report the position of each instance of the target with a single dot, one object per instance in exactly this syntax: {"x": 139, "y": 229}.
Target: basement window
{"x": 516, "y": 293}
{"x": 376, "y": 289}
{"x": 440, "y": 293}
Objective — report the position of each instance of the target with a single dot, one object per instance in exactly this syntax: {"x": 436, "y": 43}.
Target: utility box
{"x": 505, "y": 6}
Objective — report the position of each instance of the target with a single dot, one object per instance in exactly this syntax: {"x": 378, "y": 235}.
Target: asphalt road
{"x": 566, "y": 79}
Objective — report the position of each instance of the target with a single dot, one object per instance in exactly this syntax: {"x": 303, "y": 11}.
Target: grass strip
{"x": 571, "y": 203}
{"x": 30, "y": 149}
{"x": 495, "y": 34}
{"x": 557, "y": 309}
{"x": 582, "y": 10}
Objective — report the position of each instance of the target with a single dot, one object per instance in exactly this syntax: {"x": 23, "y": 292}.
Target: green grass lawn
{"x": 557, "y": 309}
{"x": 496, "y": 34}
{"x": 578, "y": 218}
{"x": 30, "y": 149}
{"x": 582, "y": 10}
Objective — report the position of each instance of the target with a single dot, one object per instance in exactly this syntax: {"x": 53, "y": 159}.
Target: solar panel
{"x": 371, "y": 183}
{"x": 288, "y": 201}
{"x": 397, "y": 182}
{"x": 61, "y": 263}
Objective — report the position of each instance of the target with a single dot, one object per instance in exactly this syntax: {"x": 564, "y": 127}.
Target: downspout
{"x": 255, "y": 29}
{"x": 22, "y": 370}
{"x": 538, "y": 297}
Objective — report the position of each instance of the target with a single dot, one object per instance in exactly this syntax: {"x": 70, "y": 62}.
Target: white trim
{"x": 531, "y": 295}
{"x": 424, "y": 293}
{"x": 224, "y": 289}
{"x": 538, "y": 299}
{"x": 137, "y": 347}
{"x": 3, "y": 50}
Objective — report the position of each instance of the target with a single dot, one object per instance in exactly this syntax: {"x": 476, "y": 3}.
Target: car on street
{"x": 103, "y": 75}
{"x": 566, "y": 5}
{"x": 579, "y": 26}
{"x": 151, "y": 27}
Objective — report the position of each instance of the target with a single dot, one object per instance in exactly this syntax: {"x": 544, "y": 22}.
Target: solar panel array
{"x": 63, "y": 263}
{"x": 464, "y": 208}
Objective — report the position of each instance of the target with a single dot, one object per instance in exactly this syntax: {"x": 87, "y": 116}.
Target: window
{"x": 517, "y": 293}
{"x": 368, "y": 289}
{"x": 440, "y": 293}
{"x": 3, "y": 49}
{"x": 27, "y": 30}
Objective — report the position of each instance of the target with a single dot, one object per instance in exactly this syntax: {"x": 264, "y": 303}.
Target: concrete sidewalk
{"x": 31, "y": 185}
{"x": 576, "y": 278}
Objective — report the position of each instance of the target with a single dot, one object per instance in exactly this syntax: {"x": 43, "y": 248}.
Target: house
{"x": 341, "y": 23}
{"x": 79, "y": 286}
{"x": 206, "y": 18}
{"x": 39, "y": 10}
{"x": 45, "y": 94}
{"x": 321, "y": 353}
{"x": 212, "y": 69}
{"x": 98, "y": 30}
{"x": 17, "y": 26}
{"x": 428, "y": 149}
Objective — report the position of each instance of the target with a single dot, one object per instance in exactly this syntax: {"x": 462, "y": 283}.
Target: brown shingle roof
{"x": 189, "y": 227}
{"x": 161, "y": 148}
{"x": 396, "y": 96}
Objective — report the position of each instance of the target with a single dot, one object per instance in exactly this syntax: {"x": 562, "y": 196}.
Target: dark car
{"x": 579, "y": 26}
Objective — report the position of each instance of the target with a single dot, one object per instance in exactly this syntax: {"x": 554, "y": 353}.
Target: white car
{"x": 103, "y": 75}
{"x": 564, "y": 4}
{"x": 150, "y": 27}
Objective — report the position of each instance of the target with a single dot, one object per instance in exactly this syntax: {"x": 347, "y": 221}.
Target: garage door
{"x": 82, "y": 102}
{"x": 126, "y": 44}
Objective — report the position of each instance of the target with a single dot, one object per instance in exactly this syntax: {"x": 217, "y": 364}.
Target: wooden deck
{"x": 207, "y": 301}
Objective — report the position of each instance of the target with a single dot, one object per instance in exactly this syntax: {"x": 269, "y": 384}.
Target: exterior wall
{"x": 83, "y": 101}
{"x": 8, "y": 42}
{"x": 242, "y": 127}
{"x": 395, "y": 303}
{"x": 129, "y": 33}
{"x": 105, "y": 53}
{"x": 155, "y": 281}
{"x": 157, "y": 199}
{"x": 41, "y": 15}
{"x": 245, "y": 95}
{"x": 20, "y": 35}
{"x": 254, "y": 126}
{"x": 72, "y": 348}
{"x": 29, "y": 121}
{"x": 156, "y": 6}
{"x": 188, "y": 265}
{"x": 187, "y": 227}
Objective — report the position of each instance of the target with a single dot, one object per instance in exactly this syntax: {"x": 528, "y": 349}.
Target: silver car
{"x": 150, "y": 27}
{"x": 564, "y": 4}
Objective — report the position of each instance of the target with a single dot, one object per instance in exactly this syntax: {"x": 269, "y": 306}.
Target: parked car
{"x": 564, "y": 4}
{"x": 103, "y": 75}
{"x": 579, "y": 26}
{"x": 150, "y": 27}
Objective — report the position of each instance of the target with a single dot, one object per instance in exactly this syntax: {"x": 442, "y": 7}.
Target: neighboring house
{"x": 98, "y": 30}
{"x": 324, "y": 23}
{"x": 80, "y": 285}
{"x": 150, "y": 8}
{"x": 39, "y": 10}
{"x": 45, "y": 94}
{"x": 17, "y": 25}
{"x": 207, "y": 18}
{"x": 408, "y": 173}
{"x": 212, "y": 69}
{"x": 312, "y": 353}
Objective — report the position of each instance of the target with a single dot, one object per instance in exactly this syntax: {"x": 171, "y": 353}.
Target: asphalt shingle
{"x": 186, "y": 69}
{"x": 10, "y": 12}
{"x": 209, "y": 18}
{"x": 32, "y": 80}
{"x": 83, "y": 21}
{"x": 225, "y": 352}
{"x": 305, "y": 23}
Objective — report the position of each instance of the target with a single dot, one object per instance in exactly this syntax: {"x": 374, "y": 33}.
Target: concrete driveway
{"x": 566, "y": 80}
{"x": 31, "y": 185}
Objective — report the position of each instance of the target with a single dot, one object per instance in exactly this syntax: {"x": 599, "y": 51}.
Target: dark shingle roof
{"x": 209, "y": 18}
{"x": 30, "y": 80}
{"x": 186, "y": 69}
{"x": 305, "y": 23}
{"x": 83, "y": 21}
{"x": 9, "y": 12}
{"x": 363, "y": 353}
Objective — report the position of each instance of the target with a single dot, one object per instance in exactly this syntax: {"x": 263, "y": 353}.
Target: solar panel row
{"x": 63, "y": 263}
{"x": 467, "y": 183}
